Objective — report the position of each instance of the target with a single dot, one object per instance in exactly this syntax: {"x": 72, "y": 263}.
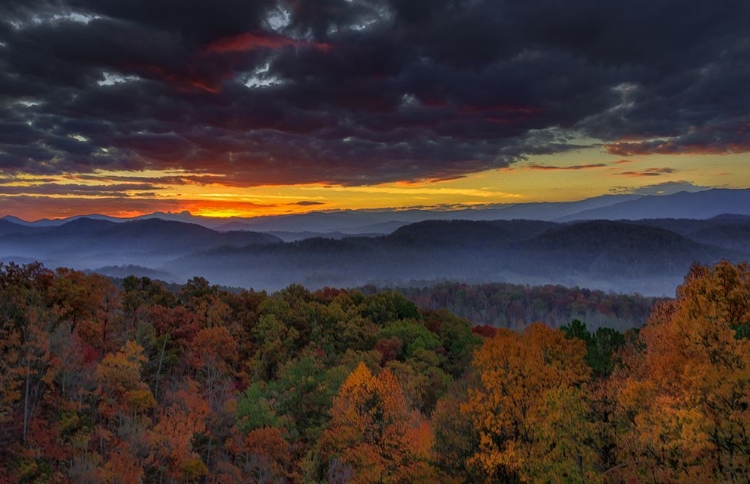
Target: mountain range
{"x": 88, "y": 243}
{"x": 683, "y": 205}
{"x": 649, "y": 256}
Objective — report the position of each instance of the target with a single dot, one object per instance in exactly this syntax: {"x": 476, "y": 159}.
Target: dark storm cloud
{"x": 364, "y": 91}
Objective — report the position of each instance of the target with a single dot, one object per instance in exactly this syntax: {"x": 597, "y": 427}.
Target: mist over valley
{"x": 648, "y": 256}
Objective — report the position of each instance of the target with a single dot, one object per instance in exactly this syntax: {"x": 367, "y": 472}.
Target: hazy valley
{"x": 648, "y": 256}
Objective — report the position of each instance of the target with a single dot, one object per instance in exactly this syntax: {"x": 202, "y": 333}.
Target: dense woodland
{"x": 512, "y": 305}
{"x": 100, "y": 383}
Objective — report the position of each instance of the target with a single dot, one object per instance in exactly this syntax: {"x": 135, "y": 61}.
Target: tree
{"x": 373, "y": 432}
{"x": 686, "y": 397}
{"x": 304, "y": 392}
{"x": 25, "y": 324}
{"x": 265, "y": 456}
{"x": 515, "y": 374}
{"x": 601, "y": 346}
{"x": 178, "y": 421}
{"x": 275, "y": 343}
{"x": 254, "y": 411}
{"x": 456, "y": 438}
{"x": 120, "y": 385}
{"x": 124, "y": 400}
{"x": 214, "y": 356}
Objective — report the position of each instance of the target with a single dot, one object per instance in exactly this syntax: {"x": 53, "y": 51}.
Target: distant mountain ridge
{"x": 688, "y": 205}
{"x": 694, "y": 205}
{"x": 649, "y": 256}
{"x": 90, "y": 243}
{"x": 620, "y": 256}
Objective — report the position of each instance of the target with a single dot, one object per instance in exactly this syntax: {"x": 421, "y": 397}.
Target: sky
{"x": 262, "y": 107}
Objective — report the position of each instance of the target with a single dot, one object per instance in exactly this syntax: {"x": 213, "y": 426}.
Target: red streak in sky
{"x": 190, "y": 80}
{"x": 502, "y": 109}
{"x": 249, "y": 42}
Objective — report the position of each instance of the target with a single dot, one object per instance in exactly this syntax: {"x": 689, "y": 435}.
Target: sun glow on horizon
{"x": 576, "y": 175}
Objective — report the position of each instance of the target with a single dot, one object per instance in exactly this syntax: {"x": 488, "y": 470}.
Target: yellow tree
{"x": 124, "y": 399}
{"x": 524, "y": 403}
{"x": 373, "y": 432}
{"x": 687, "y": 397}
{"x": 120, "y": 385}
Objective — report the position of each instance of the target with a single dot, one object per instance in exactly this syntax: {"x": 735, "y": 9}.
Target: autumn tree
{"x": 265, "y": 457}
{"x": 178, "y": 421}
{"x": 141, "y": 294}
{"x": 686, "y": 398}
{"x": 521, "y": 379}
{"x": 26, "y": 321}
{"x": 213, "y": 357}
{"x": 124, "y": 400}
{"x": 374, "y": 433}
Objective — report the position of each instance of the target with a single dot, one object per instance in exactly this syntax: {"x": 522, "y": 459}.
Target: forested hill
{"x": 648, "y": 257}
{"x": 612, "y": 256}
{"x": 86, "y": 243}
{"x": 513, "y": 305}
{"x": 144, "y": 384}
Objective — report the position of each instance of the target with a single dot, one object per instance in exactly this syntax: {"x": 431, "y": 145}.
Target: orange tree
{"x": 685, "y": 401}
{"x": 529, "y": 409}
{"x": 373, "y": 433}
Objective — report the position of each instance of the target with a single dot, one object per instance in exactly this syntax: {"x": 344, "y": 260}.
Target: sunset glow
{"x": 279, "y": 107}
{"x": 552, "y": 178}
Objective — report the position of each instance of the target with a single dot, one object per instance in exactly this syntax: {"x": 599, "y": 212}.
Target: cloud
{"x": 649, "y": 172}
{"x": 665, "y": 188}
{"x": 716, "y": 138}
{"x": 307, "y": 203}
{"x": 250, "y": 42}
{"x": 572, "y": 167}
{"x": 363, "y": 92}
{"x": 79, "y": 190}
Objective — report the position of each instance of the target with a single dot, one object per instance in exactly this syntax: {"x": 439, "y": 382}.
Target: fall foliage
{"x": 133, "y": 381}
